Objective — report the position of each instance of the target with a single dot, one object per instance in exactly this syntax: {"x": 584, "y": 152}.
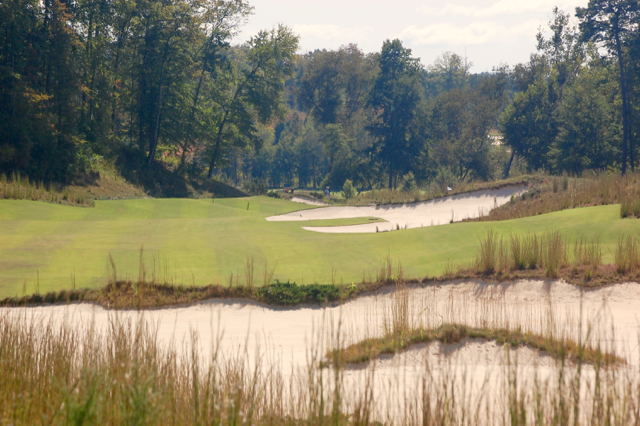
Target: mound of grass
{"x": 392, "y": 343}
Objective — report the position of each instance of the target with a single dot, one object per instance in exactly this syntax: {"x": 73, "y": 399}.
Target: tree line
{"x": 161, "y": 81}
{"x": 83, "y": 79}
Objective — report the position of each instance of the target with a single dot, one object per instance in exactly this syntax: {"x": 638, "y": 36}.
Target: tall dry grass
{"x": 57, "y": 374}
{"x": 16, "y": 187}
{"x": 522, "y": 252}
{"x": 561, "y": 193}
{"x": 627, "y": 255}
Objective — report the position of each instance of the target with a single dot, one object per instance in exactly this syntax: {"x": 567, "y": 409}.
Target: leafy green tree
{"x": 252, "y": 91}
{"x": 529, "y": 123}
{"x": 588, "y": 124}
{"x": 528, "y": 127}
{"x": 449, "y": 71}
{"x": 610, "y": 23}
{"x": 398, "y": 98}
{"x": 461, "y": 121}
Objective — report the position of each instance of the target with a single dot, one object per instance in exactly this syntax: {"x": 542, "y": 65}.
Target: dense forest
{"x": 159, "y": 84}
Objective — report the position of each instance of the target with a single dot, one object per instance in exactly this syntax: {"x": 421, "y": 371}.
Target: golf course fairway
{"x": 49, "y": 247}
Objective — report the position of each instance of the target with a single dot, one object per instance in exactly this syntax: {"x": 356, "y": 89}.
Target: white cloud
{"x": 500, "y": 8}
{"x": 331, "y": 33}
{"x": 476, "y": 33}
{"x": 492, "y": 31}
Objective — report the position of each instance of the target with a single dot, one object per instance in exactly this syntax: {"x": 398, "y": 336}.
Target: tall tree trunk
{"x": 625, "y": 100}
{"x": 508, "y": 168}
{"x": 154, "y": 140}
{"x": 216, "y": 149}
{"x": 142, "y": 87}
{"x": 390, "y": 175}
{"x": 90, "y": 62}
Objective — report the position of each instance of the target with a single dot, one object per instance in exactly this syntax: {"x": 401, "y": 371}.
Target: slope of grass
{"x": 46, "y": 247}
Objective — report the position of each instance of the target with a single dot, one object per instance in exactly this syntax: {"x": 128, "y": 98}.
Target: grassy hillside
{"x": 49, "y": 247}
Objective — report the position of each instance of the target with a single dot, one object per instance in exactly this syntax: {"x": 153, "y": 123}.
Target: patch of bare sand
{"x": 406, "y": 216}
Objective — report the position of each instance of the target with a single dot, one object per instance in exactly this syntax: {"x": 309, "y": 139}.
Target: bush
{"x": 273, "y": 193}
{"x": 348, "y": 190}
{"x": 289, "y": 294}
{"x": 255, "y": 186}
{"x": 409, "y": 182}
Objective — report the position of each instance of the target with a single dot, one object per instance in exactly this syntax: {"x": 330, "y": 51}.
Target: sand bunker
{"x": 291, "y": 332}
{"x": 308, "y": 201}
{"x": 287, "y": 339}
{"x": 406, "y": 216}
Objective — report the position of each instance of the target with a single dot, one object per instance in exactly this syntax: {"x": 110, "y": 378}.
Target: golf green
{"x": 49, "y": 247}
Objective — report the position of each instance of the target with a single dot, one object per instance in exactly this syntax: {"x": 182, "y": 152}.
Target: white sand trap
{"x": 308, "y": 201}
{"x": 406, "y": 216}
{"x": 292, "y": 331}
{"x": 284, "y": 339}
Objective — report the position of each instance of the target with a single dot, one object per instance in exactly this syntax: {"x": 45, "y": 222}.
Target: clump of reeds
{"x": 630, "y": 207}
{"x": 587, "y": 253}
{"x": 627, "y": 255}
{"x": 526, "y": 252}
{"x": 16, "y": 187}
{"x": 554, "y": 253}
{"x": 487, "y": 260}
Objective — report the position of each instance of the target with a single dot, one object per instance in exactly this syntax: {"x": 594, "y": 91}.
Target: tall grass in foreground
{"x": 51, "y": 373}
{"x": 16, "y": 187}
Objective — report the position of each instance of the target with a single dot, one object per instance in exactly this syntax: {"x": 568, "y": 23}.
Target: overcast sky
{"x": 493, "y": 32}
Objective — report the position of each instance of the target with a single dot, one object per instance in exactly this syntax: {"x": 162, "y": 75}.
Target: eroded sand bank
{"x": 406, "y": 216}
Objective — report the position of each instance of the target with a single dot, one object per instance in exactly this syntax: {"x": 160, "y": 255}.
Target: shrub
{"x": 289, "y": 294}
{"x": 348, "y": 190}
{"x": 255, "y": 186}
{"x": 273, "y": 193}
{"x": 409, "y": 182}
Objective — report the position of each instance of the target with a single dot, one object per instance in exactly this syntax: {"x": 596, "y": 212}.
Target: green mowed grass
{"x": 48, "y": 246}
